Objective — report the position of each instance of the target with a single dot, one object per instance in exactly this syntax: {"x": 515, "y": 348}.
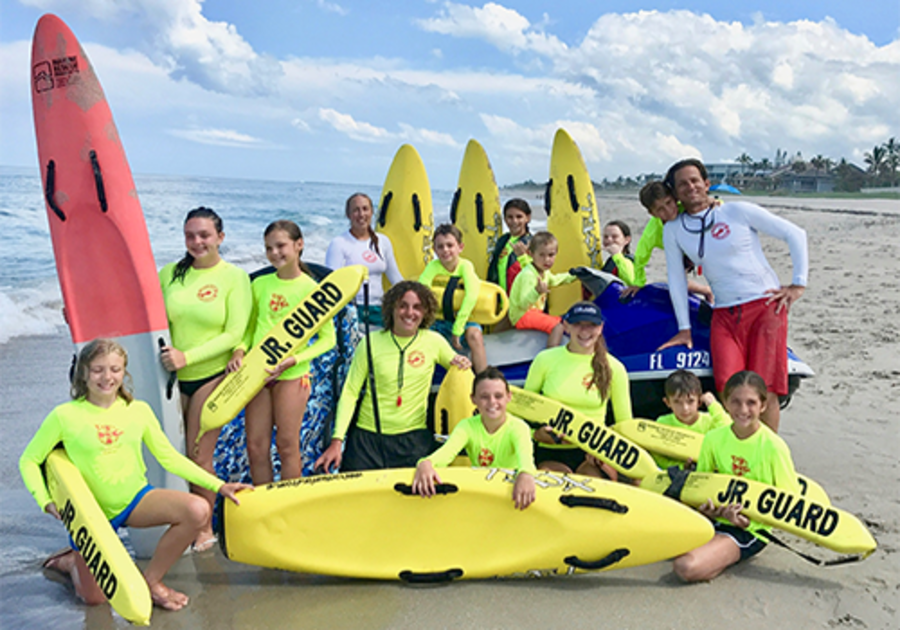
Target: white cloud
{"x": 505, "y": 28}
{"x": 366, "y": 132}
{"x": 332, "y": 7}
{"x": 219, "y": 137}
{"x": 211, "y": 54}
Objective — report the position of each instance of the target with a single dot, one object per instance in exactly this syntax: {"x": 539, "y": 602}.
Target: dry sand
{"x": 838, "y": 428}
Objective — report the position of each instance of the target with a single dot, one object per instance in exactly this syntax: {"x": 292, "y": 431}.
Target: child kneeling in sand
{"x": 103, "y": 430}
{"x": 684, "y": 393}
{"x": 491, "y": 438}
{"x": 749, "y": 449}
{"x": 531, "y": 287}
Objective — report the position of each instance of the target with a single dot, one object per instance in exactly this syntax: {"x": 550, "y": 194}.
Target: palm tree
{"x": 744, "y": 160}
{"x": 875, "y": 159}
{"x": 892, "y": 159}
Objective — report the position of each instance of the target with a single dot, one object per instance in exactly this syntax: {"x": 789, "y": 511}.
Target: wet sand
{"x": 840, "y": 427}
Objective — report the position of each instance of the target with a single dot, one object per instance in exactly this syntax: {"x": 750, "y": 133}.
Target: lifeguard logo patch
{"x": 369, "y": 256}
{"x": 107, "y": 434}
{"x": 277, "y": 302}
{"x": 416, "y": 358}
{"x": 485, "y": 457}
{"x": 207, "y": 293}
{"x": 739, "y": 466}
{"x": 720, "y": 231}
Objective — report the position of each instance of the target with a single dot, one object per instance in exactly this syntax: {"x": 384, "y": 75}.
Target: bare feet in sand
{"x": 167, "y": 598}
{"x": 71, "y": 565}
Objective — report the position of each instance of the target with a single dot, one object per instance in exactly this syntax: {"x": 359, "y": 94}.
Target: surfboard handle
{"x": 547, "y": 196}
{"x": 385, "y": 204}
{"x": 439, "y": 488}
{"x": 411, "y": 577}
{"x": 573, "y": 197}
{"x": 454, "y": 205}
{"x": 50, "y": 190}
{"x": 595, "y": 565}
{"x": 98, "y": 181}
{"x": 602, "y": 504}
{"x": 417, "y": 212}
{"x": 479, "y": 213}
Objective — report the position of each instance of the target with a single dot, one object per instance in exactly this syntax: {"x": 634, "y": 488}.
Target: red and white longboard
{"x": 106, "y": 270}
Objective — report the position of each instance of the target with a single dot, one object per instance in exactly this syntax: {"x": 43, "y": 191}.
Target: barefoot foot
{"x": 167, "y": 598}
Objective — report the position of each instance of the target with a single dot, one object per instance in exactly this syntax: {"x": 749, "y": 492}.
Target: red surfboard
{"x": 106, "y": 270}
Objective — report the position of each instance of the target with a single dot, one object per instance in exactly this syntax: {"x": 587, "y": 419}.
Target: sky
{"x": 328, "y": 90}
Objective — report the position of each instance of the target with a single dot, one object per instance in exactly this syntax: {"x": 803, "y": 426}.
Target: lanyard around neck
{"x": 402, "y": 350}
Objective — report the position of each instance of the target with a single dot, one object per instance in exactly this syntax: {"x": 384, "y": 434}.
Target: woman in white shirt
{"x": 360, "y": 245}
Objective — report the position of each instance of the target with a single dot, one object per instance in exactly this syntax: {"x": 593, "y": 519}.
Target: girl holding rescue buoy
{"x": 282, "y": 402}
{"x": 398, "y": 363}
{"x": 103, "y": 429}
{"x": 747, "y": 448}
{"x": 208, "y": 306}
{"x": 584, "y": 376}
{"x": 360, "y": 245}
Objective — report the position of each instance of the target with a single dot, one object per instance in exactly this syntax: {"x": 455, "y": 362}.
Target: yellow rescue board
{"x": 591, "y": 435}
{"x": 405, "y": 213}
{"x": 290, "y": 335}
{"x": 475, "y": 208}
{"x": 386, "y": 533}
{"x": 820, "y": 523}
{"x": 491, "y": 307}
{"x": 683, "y": 444}
{"x": 572, "y": 217}
{"x": 116, "y": 574}
{"x": 453, "y": 404}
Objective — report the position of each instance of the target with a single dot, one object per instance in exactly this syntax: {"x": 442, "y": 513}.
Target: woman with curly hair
{"x": 390, "y": 429}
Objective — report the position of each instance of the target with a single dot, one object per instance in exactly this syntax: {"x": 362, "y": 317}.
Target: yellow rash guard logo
{"x": 739, "y": 466}
{"x": 107, "y": 434}
{"x": 416, "y": 359}
{"x": 278, "y": 302}
{"x": 207, "y": 293}
{"x": 485, "y": 457}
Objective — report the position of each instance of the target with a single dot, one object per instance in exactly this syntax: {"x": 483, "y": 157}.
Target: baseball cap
{"x": 584, "y": 312}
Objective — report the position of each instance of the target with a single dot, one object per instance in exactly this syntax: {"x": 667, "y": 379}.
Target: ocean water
{"x": 30, "y": 299}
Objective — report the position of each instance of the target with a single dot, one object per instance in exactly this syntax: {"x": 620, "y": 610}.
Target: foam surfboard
{"x": 116, "y": 574}
{"x": 288, "y": 336}
{"x": 387, "y": 533}
{"x": 589, "y": 434}
{"x": 572, "y": 217}
{"x": 106, "y": 271}
{"x": 491, "y": 307}
{"x": 453, "y": 404}
{"x": 820, "y": 523}
{"x": 405, "y": 214}
{"x": 683, "y": 444}
{"x": 475, "y": 208}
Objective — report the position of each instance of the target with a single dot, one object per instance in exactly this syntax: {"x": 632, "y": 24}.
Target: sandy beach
{"x": 838, "y": 426}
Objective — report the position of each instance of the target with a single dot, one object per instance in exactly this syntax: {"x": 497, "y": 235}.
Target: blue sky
{"x": 327, "y": 90}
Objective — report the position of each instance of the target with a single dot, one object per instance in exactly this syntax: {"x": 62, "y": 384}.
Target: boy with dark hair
{"x": 684, "y": 393}
{"x": 447, "y": 247}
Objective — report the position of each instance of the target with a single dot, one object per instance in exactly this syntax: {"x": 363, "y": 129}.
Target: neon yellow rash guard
{"x": 622, "y": 267}
{"x": 420, "y": 354}
{"x": 565, "y": 376}
{"x": 509, "y": 446}
{"x": 524, "y": 294}
{"x": 273, "y": 298}
{"x": 105, "y": 445}
{"x": 207, "y": 315}
{"x": 471, "y": 283}
{"x": 651, "y": 238}
{"x": 503, "y": 261}
{"x": 713, "y": 419}
{"x": 763, "y": 456}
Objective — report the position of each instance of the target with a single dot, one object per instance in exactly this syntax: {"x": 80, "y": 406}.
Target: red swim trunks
{"x": 750, "y": 337}
{"x": 535, "y": 319}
